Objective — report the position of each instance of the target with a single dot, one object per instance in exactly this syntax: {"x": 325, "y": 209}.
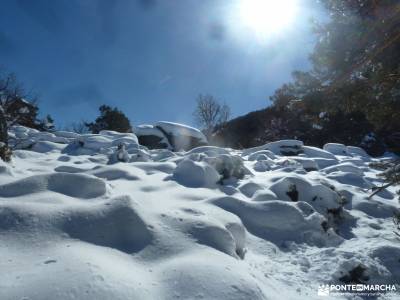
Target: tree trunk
{"x": 5, "y": 152}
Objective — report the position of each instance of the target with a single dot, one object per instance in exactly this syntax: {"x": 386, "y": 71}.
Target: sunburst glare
{"x": 266, "y": 17}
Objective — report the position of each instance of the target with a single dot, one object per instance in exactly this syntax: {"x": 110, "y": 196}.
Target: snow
{"x": 336, "y": 149}
{"x": 66, "y": 134}
{"x": 195, "y": 174}
{"x": 102, "y": 217}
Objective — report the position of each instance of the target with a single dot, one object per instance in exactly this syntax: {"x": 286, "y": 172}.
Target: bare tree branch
{"x": 209, "y": 113}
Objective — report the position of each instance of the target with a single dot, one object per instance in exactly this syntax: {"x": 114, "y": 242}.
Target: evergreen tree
{"x": 110, "y": 119}
{"x": 47, "y": 124}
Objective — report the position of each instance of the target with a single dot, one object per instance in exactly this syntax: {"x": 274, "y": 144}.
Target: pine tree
{"x": 110, "y": 119}
{"x": 47, "y": 124}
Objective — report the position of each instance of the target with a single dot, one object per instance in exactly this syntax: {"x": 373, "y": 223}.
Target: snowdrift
{"x": 103, "y": 217}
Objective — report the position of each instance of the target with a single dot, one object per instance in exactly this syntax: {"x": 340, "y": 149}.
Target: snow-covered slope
{"x": 82, "y": 217}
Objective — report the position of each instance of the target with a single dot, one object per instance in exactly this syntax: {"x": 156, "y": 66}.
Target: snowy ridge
{"x": 102, "y": 217}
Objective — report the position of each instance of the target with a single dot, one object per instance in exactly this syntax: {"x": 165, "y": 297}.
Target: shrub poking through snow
{"x": 335, "y": 215}
{"x": 293, "y": 193}
{"x": 122, "y": 154}
{"x": 216, "y": 169}
{"x": 5, "y": 152}
{"x": 325, "y": 225}
{"x": 355, "y": 276}
{"x": 390, "y": 175}
{"x": 228, "y": 166}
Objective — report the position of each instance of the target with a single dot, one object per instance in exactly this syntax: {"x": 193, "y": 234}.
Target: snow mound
{"x": 210, "y": 151}
{"x": 113, "y": 173}
{"x": 116, "y": 225}
{"x": 336, "y": 149}
{"x": 46, "y": 146}
{"x": 278, "y": 221}
{"x": 314, "y": 152}
{"x": 213, "y": 228}
{"x": 296, "y": 188}
{"x": 261, "y": 155}
{"x": 388, "y": 255}
{"x": 191, "y": 279}
{"x": 195, "y": 174}
{"x": 66, "y": 134}
{"x": 73, "y": 185}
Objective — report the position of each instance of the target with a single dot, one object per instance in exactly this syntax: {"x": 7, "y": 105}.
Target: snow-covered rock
{"x": 120, "y": 155}
{"x": 151, "y": 137}
{"x": 284, "y": 147}
{"x": 181, "y": 137}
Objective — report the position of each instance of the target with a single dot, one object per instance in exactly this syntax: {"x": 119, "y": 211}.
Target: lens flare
{"x": 266, "y": 17}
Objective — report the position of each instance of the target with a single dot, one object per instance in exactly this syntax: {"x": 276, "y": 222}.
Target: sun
{"x": 266, "y": 17}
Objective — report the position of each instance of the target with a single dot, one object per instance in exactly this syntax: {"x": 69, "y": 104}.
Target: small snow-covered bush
{"x": 356, "y": 275}
{"x": 390, "y": 175}
{"x": 120, "y": 155}
{"x": 228, "y": 166}
{"x": 190, "y": 170}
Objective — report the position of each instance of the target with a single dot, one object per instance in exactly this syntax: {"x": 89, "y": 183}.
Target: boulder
{"x": 182, "y": 137}
{"x": 151, "y": 137}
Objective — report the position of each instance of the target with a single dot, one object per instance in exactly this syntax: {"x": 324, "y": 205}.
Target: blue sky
{"x": 150, "y": 58}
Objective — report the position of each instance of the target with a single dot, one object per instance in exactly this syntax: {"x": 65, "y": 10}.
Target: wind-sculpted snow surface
{"x": 102, "y": 217}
